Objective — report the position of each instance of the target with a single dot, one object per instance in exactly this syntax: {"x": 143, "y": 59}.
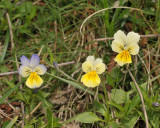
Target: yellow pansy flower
{"x": 92, "y": 67}
{"x": 33, "y": 69}
{"x": 125, "y": 45}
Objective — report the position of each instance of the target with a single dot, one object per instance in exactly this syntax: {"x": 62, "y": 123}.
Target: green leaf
{"x": 110, "y": 80}
{"x": 4, "y": 68}
{"x": 129, "y": 121}
{"x": 87, "y": 117}
{"x": 145, "y": 84}
{"x": 143, "y": 91}
{"x": 115, "y": 105}
{"x": 42, "y": 98}
{"x": 134, "y": 102}
{"x": 28, "y": 126}
{"x": 116, "y": 73}
{"x": 12, "y": 122}
{"x": 9, "y": 92}
{"x": 113, "y": 125}
{"x": 99, "y": 107}
{"x": 149, "y": 11}
{"x": 25, "y": 8}
{"x": 12, "y": 85}
{"x": 51, "y": 121}
{"x": 119, "y": 96}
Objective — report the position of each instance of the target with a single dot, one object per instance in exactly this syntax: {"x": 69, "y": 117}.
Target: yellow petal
{"x": 123, "y": 58}
{"x": 87, "y": 67}
{"x": 132, "y": 37}
{"x": 91, "y": 79}
{"x": 24, "y": 71}
{"x": 100, "y": 68}
{"x": 133, "y": 49}
{"x": 34, "y": 80}
{"x": 117, "y": 46}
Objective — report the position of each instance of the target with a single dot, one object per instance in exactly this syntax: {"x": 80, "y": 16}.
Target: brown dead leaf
{"x": 144, "y": 42}
{"x": 154, "y": 66}
{"x": 59, "y": 98}
{"x": 129, "y": 27}
{"x": 9, "y": 111}
{"x": 59, "y": 101}
{"x": 112, "y": 63}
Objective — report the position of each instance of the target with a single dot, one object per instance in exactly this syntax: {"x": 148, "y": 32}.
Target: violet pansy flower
{"x": 33, "y": 69}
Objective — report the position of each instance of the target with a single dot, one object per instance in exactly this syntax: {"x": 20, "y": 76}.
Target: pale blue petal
{"x": 24, "y": 61}
{"x": 40, "y": 69}
{"x": 34, "y": 62}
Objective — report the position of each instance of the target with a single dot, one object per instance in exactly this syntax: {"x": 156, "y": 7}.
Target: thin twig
{"x": 158, "y": 49}
{"x": 105, "y": 10}
{"x": 15, "y": 72}
{"x": 8, "y": 103}
{"x": 148, "y": 23}
{"x": 144, "y": 64}
{"x": 143, "y": 105}
{"x": 8, "y": 73}
{"x": 55, "y": 39}
{"x": 33, "y": 111}
{"x": 4, "y": 114}
{"x": 67, "y": 63}
{"x": 10, "y": 30}
{"x": 61, "y": 64}
{"x": 142, "y": 36}
{"x": 36, "y": 2}
{"x": 40, "y": 50}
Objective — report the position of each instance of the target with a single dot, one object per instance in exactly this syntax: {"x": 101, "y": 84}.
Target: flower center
{"x": 91, "y": 79}
{"x": 124, "y": 55}
{"x": 92, "y": 75}
{"x": 33, "y": 76}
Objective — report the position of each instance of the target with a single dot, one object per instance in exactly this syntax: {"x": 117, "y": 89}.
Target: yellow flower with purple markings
{"x": 125, "y": 45}
{"x": 33, "y": 69}
{"x": 92, "y": 67}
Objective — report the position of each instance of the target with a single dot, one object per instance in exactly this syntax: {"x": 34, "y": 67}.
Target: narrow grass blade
{"x": 9, "y": 92}
{"x": 5, "y": 47}
{"x": 144, "y": 84}
{"x": 12, "y": 122}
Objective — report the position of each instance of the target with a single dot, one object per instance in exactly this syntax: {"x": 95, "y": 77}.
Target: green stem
{"x": 105, "y": 92}
{"x": 73, "y": 83}
{"x": 106, "y": 98}
{"x": 68, "y": 76}
{"x": 141, "y": 97}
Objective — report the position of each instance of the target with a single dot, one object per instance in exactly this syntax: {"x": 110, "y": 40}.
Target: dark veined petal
{"x": 24, "y": 71}
{"x": 40, "y": 69}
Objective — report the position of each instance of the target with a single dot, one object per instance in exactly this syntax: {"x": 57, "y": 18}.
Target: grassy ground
{"x": 55, "y": 26}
